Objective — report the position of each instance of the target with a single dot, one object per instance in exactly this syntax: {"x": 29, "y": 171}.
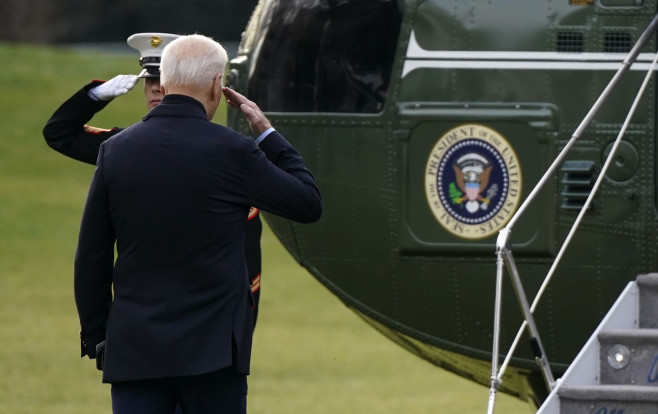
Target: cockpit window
{"x": 324, "y": 55}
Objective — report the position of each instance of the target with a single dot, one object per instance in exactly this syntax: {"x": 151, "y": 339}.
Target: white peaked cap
{"x": 150, "y": 46}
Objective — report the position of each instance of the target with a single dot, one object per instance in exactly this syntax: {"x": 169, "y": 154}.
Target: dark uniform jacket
{"x": 68, "y": 133}
{"x": 173, "y": 191}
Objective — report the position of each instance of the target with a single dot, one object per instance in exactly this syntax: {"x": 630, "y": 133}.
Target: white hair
{"x": 192, "y": 61}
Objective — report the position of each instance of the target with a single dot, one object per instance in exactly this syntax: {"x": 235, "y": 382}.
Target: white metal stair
{"x": 616, "y": 372}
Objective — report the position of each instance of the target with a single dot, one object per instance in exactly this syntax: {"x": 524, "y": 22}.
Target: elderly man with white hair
{"x": 172, "y": 314}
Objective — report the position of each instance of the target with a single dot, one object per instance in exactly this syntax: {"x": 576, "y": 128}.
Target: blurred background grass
{"x": 311, "y": 354}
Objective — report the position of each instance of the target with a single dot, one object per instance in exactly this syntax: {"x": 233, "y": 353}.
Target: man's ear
{"x": 217, "y": 88}
{"x": 162, "y": 90}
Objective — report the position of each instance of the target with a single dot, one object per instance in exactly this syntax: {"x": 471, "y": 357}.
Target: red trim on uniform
{"x": 94, "y": 130}
{"x": 253, "y": 212}
{"x": 255, "y": 283}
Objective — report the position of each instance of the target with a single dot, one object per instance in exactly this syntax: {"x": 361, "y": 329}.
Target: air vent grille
{"x": 617, "y": 42}
{"x": 570, "y": 42}
{"x": 577, "y": 183}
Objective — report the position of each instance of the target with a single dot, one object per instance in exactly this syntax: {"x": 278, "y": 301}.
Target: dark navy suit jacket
{"x": 67, "y": 132}
{"x": 173, "y": 191}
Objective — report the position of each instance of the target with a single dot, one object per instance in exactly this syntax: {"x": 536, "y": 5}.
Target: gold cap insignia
{"x": 156, "y": 41}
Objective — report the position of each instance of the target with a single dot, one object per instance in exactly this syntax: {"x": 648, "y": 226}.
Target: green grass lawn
{"x": 311, "y": 354}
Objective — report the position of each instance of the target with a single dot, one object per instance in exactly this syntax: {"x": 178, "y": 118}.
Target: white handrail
{"x": 503, "y": 249}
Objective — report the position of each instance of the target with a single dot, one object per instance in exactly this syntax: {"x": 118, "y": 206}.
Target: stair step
{"x": 608, "y": 399}
{"x": 630, "y": 335}
{"x": 648, "y": 285}
{"x": 629, "y": 357}
{"x": 616, "y": 372}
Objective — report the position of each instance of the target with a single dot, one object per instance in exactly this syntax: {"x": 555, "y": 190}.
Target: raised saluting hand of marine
{"x": 117, "y": 86}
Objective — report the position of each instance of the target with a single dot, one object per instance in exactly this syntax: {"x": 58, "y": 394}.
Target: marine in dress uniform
{"x": 68, "y": 133}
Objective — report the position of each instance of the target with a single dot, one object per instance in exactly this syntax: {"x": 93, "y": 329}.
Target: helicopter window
{"x": 325, "y": 55}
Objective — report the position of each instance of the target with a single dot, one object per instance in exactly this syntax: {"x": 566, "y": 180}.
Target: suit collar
{"x": 178, "y": 105}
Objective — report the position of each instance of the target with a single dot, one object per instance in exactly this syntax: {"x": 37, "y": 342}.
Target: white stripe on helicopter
{"x": 418, "y": 58}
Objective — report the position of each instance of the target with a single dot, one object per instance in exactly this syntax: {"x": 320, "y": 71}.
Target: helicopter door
{"x": 321, "y": 71}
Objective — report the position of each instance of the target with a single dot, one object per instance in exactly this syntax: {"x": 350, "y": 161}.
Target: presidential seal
{"x": 472, "y": 181}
